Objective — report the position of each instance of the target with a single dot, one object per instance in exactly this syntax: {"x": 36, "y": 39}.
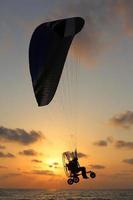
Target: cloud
{"x": 110, "y": 139}
{"x": 10, "y": 175}
{"x": 97, "y": 166}
{"x": 120, "y": 144}
{"x": 101, "y": 143}
{"x": 19, "y": 135}
{"x": 104, "y": 21}
{"x": 124, "y": 120}
{"x": 28, "y": 152}
{"x": 6, "y": 155}
{"x": 121, "y": 175}
{"x": 43, "y": 172}
{"x": 55, "y": 163}
{"x": 105, "y": 142}
{"x": 3, "y": 167}
{"x": 36, "y": 161}
{"x": 82, "y": 155}
{"x": 89, "y": 43}
{"x": 124, "y": 8}
{"x": 2, "y": 147}
{"x": 128, "y": 161}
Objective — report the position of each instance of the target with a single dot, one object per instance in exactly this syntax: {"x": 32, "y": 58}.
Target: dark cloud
{"x": 120, "y": 144}
{"x": 121, "y": 175}
{"x": 10, "y": 175}
{"x": 124, "y": 9}
{"x": 55, "y": 163}
{"x": 124, "y": 120}
{"x": 43, "y": 172}
{"x": 3, "y": 167}
{"x": 2, "y": 147}
{"x": 101, "y": 17}
{"x": 82, "y": 155}
{"x": 110, "y": 139}
{"x": 28, "y": 152}
{"x": 128, "y": 161}
{"x": 6, "y": 155}
{"x": 36, "y": 161}
{"x": 19, "y": 135}
{"x": 97, "y": 166}
{"x": 101, "y": 143}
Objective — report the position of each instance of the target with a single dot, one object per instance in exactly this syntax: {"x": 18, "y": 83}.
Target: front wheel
{"x": 76, "y": 179}
{"x": 92, "y": 174}
{"x": 70, "y": 181}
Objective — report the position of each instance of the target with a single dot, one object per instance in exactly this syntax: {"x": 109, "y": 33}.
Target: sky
{"x": 92, "y": 109}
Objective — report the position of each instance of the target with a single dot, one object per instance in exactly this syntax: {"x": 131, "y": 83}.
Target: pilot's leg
{"x": 83, "y": 170}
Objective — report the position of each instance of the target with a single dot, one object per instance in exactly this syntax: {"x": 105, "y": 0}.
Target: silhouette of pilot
{"x": 74, "y": 167}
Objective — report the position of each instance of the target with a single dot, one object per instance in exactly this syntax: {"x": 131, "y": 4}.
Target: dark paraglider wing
{"x": 48, "y": 50}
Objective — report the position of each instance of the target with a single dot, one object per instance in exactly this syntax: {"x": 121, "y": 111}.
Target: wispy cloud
{"x": 10, "y": 175}
{"x": 3, "y": 167}
{"x": 101, "y": 143}
{"x": 2, "y": 146}
{"x": 96, "y": 166}
{"x": 121, "y": 144}
{"x": 123, "y": 9}
{"x": 82, "y": 155}
{"x": 124, "y": 120}
{"x": 54, "y": 164}
{"x": 43, "y": 172}
{"x": 121, "y": 174}
{"x": 6, "y": 155}
{"x": 19, "y": 135}
{"x": 37, "y": 161}
{"x": 110, "y": 139}
{"x": 105, "y": 20}
{"x": 29, "y": 152}
{"x": 128, "y": 161}
{"x": 101, "y": 19}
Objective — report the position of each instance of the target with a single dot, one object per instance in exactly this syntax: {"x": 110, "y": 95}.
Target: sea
{"x": 32, "y": 194}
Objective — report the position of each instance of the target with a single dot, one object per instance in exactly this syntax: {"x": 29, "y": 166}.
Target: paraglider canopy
{"x": 48, "y": 50}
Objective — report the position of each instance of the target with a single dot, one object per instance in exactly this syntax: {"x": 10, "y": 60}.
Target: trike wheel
{"x": 92, "y": 174}
{"x": 70, "y": 181}
{"x": 76, "y": 179}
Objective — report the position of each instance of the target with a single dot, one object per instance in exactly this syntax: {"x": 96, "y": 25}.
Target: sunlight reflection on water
{"x": 14, "y": 194}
